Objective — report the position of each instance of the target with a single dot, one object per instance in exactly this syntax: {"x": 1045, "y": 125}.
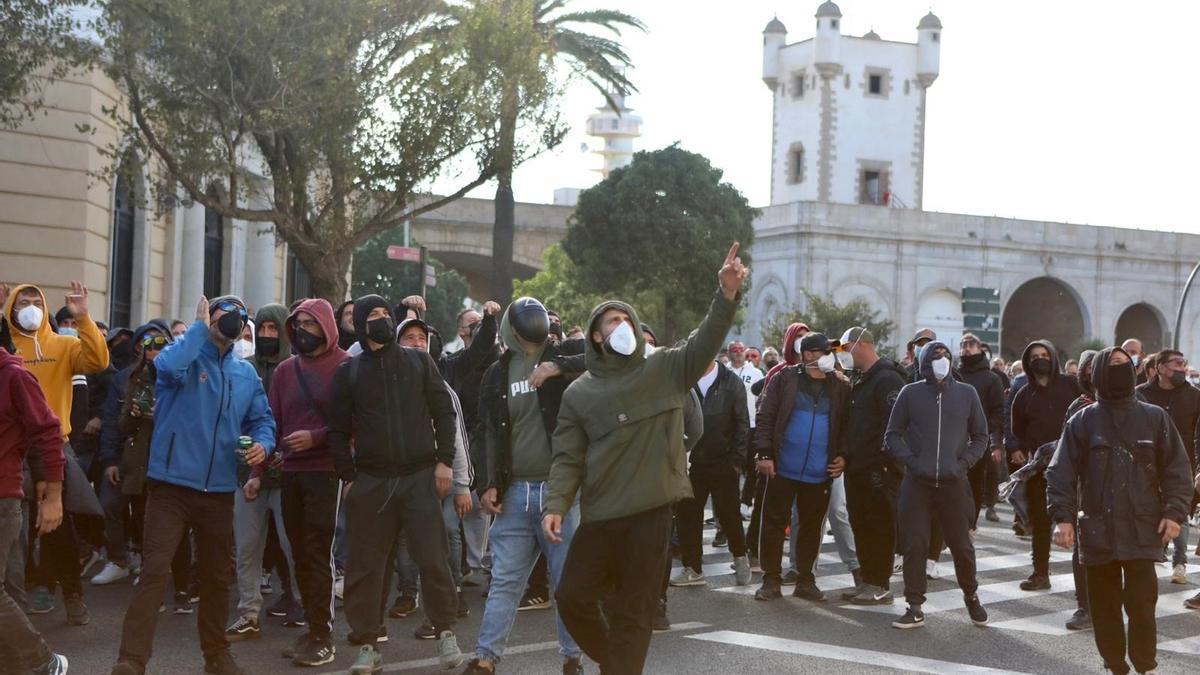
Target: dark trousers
{"x": 1080, "y": 572}
{"x": 57, "y": 559}
{"x": 170, "y": 511}
{"x": 1039, "y": 520}
{"x": 1131, "y": 584}
{"x": 310, "y": 502}
{"x": 871, "y": 497}
{"x": 978, "y": 477}
{"x": 119, "y": 508}
{"x": 620, "y": 562}
{"x": 811, "y": 500}
{"x": 951, "y": 503}
{"x": 754, "y": 529}
{"x": 23, "y": 647}
{"x": 720, "y": 481}
{"x": 377, "y": 511}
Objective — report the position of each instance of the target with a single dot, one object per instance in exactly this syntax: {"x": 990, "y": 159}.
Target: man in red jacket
{"x": 300, "y": 402}
{"x": 25, "y": 417}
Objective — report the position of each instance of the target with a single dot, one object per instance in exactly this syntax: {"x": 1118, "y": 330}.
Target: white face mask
{"x": 30, "y": 318}
{"x": 622, "y": 339}
{"x": 649, "y": 349}
{"x": 826, "y": 363}
{"x": 846, "y": 360}
{"x": 1133, "y": 358}
{"x": 941, "y": 368}
{"x": 796, "y": 344}
{"x": 243, "y": 349}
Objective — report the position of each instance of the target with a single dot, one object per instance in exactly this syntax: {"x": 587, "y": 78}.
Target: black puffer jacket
{"x": 1123, "y": 463}
{"x": 991, "y": 394}
{"x": 1183, "y": 405}
{"x": 726, "y": 422}
{"x": 1038, "y": 412}
{"x": 872, "y": 396}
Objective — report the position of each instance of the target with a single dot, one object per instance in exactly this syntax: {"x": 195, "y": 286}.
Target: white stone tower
{"x": 849, "y": 112}
{"x": 618, "y": 128}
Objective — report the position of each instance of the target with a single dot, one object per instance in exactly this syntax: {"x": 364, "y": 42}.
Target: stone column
{"x": 191, "y": 260}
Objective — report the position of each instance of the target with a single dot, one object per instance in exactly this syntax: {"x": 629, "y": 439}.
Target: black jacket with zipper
{"x": 726, "y": 422}
{"x": 872, "y": 395}
{"x": 1183, "y": 405}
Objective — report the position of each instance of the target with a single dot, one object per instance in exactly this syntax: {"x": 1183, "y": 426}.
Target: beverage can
{"x": 244, "y": 445}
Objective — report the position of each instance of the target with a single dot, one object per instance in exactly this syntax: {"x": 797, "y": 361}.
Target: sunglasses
{"x": 154, "y": 341}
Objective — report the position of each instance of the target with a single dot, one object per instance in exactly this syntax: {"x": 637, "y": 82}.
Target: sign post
{"x": 981, "y": 315}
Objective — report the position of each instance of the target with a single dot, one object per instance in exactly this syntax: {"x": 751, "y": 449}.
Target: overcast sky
{"x": 1072, "y": 110}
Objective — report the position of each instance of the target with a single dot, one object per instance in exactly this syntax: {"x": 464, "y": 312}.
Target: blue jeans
{"x": 1180, "y": 557}
{"x": 517, "y": 538}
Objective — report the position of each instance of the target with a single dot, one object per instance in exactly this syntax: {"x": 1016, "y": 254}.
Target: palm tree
{"x": 540, "y": 36}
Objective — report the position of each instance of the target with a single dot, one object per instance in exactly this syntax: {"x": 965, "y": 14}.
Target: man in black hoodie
{"x": 393, "y": 404}
{"x": 974, "y": 370}
{"x": 1122, "y": 463}
{"x": 1038, "y": 412}
{"x": 938, "y": 431}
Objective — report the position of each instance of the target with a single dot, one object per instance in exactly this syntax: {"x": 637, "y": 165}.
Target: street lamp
{"x": 1182, "y": 300}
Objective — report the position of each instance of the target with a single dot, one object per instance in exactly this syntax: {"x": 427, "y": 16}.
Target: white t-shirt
{"x": 749, "y": 375}
{"x": 706, "y": 382}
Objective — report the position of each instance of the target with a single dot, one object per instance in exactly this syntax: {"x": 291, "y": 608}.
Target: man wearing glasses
{"x": 1171, "y": 392}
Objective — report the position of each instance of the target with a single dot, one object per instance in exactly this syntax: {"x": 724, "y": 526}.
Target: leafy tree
{"x": 828, "y": 317}
{"x": 374, "y": 272}
{"x": 337, "y": 102}
{"x": 537, "y": 37}
{"x": 37, "y": 42}
{"x": 654, "y": 231}
{"x": 555, "y": 285}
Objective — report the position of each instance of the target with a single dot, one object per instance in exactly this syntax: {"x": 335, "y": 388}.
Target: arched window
{"x": 214, "y": 249}
{"x": 120, "y": 289}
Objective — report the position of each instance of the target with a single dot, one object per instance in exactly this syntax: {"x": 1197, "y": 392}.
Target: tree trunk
{"x": 328, "y": 271}
{"x": 503, "y": 229}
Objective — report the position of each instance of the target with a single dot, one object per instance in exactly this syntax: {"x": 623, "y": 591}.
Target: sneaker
{"x": 58, "y": 665}
{"x": 222, "y": 663}
{"x": 873, "y": 595}
{"x": 754, "y": 564}
{"x": 295, "y": 617}
{"x": 245, "y": 628}
{"x": 1080, "y": 620}
{"x": 339, "y": 586}
{"x": 720, "y": 540}
{"x": 368, "y": 661}
{"x": 932, "y": 571}
{"x": 687, "y": 576}
{"x": 747, "y": 512}
{"x": 464, "y": 610}
{"x": 382, "y": 636}
{"x": 789, "y": 578}
{"x": 991, "y": 515}
{"x": 1036, "y": 582}
{"x": 449, "y": 654}
{"x": 111, "y": 574}
{"x": 853, "y": 592}
{"x": 572, "y": 667}
{"x": 898, "y": 564}
{"x": 533, "y": 601}
{"x": 808, "y": 591}
{"x": 770, "y": 589}
{"x": 77, "y": 611}
{"x": 474, "y": 578}
{"x": 41, "y": 600}
{"x": 87, "y": 560}
{"x": 282, "y": 606}
{"x": 661, "y": 622}
{"x": 1192, "y": 602}
{"x": 913, "y": 618}
{"x": 978, "y": 614}
{"x": 264, "y": 585}
{"x": 742, "y": 576}
{"x": 1179, "y": 574}
{"x": 425, "y": 631}
{"x": 404, "y": 606}
{"x": 182, "y": 604}
{"x": 314, "y": 653}
{"x": 298, "y": 645}
{"x": 126, "y": 668}
{"x": 473, "y": 668}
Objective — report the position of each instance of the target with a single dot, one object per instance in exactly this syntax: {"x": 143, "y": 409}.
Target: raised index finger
{"x": 733, "y": 251}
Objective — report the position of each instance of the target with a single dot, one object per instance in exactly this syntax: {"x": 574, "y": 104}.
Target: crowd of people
{"x": 332, "y": 450}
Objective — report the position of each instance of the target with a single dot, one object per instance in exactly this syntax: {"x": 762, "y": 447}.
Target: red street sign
{"x": 404, "y": 254}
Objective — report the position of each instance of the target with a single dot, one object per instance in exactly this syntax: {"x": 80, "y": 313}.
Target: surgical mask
{"x": 846, "y": 359}
{"x": 649, "y": 349}
{"x": 918, "y": 352}
{"x": 67, "y": 330}
{"x": 30, "y": 317}
{"x": 941, "y": 368}
{"x": 1194, "y": 380}
{"x": 230, "y": 325}
{"x": 381, "y": 330}
{"x": 1135, "y": 358}
{"x": 621, "y": 340}
{"x": 796, "y": 344}
{"x": 243, "y": 349}
{"x": 826, "y": 363}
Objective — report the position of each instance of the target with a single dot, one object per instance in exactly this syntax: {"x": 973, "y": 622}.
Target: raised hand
{"x": 77, "y": 300}
{"x": 733, "y": 273}
{"x": 202, "y": 310}
{"x": 491, "y": 308}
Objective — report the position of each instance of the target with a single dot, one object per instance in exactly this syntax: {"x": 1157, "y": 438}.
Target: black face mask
{"x": 230, "y": 325}
{"x": 770, "y": 363}
{"x": 306, "y": 342}
{"x": 1040, "y": 366}
{"x": 266, "y": 346}
{"x": 1119, "y": 381}
{"x": 971, "y": 359}
{"x": 1178, "y": 378}
{"x": 121, "y": 355}
{"x": 381, "y": 330}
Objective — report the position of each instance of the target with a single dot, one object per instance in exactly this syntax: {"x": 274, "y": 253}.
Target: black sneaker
{"x": 572, "y": 667}
{"x": 913, "y": 618}
{"x": 660, "y": 621}
{"x": 295, "y": 617}
{"x": 404, "y": 606}
{"x": 533, "y": 601}
{"x": 720, "y": 540}
{"x": 425, "y": 631}
{"x": 282, "y": 606}
{"x": 1080, "y": 620}
{"x": 77, "y": 611}
{"x": 991, "y": 516}
{"x": 1036, "y": 582}
{"x": 183, "y": 604}
{"x": 789, "y": 578}
{"x": 299, "y": 645}
{"x": 770, "y": 588}
{"x": 464, "y": 610}
{"x": 243, "y": 629}
{"x": 314, "y": 653}
{"x": 808, "y": 592}
{"x": 978, "y": 614}
{"x": 222, "y": 663}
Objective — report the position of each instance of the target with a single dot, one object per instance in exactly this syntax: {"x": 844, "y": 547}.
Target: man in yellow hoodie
{"x": 54, "y": 359}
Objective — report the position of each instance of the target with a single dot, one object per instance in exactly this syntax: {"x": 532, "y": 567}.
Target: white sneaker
{"x": 897, "y": 564}
{"x": 339, "y": 587}
{"x": 111, "y": 574}
{"x": 686, "y": 576}
{"x": 747, "y": 512}
{"x": 1179, "y": 574}
{"x": 931, "y": 570}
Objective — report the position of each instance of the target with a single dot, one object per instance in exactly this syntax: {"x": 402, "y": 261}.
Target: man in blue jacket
{"x": 206, "y": 398}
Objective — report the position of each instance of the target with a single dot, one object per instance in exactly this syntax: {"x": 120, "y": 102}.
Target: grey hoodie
{"x": 937, "y": 429}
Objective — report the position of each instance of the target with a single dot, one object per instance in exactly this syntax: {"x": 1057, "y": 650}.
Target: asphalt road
{"x": 720, "y": 630}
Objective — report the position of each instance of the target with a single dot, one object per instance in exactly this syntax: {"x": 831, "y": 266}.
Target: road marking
{"x": 847, "y": 654}
{"x": 1054, "y": 623}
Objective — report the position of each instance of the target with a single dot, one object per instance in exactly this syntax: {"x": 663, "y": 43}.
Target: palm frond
{"x": 611, "y": 19}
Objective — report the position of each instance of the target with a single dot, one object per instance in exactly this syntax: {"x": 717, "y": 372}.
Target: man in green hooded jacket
{"x": 619, "y": 445}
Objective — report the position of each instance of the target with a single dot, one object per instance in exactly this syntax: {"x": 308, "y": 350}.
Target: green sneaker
{"x": 448, "y": 653}
{"x": 369, "y": 661}
{"x": 41, "y": 600}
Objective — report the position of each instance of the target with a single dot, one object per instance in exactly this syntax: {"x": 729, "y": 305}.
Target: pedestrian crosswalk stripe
{"x": 1055, "y": 622}
{"x": 1185, "y": 646}
{"x": 847, "y": 654}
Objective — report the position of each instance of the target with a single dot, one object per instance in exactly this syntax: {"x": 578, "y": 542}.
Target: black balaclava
{"x": 1084, "y": 376}
{"x": 529, "y": 320}
{"x": 1113, "y": 383}
{"x": 346, "y": 338}
{"x": 384, "y": 328}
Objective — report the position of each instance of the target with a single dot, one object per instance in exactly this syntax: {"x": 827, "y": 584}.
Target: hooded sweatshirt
{"x": 24, "y": 418}
{"x": 112, "y": 437}
{"x": 292, "y": 408}
{"x": 265, "y": 365}
{"x": 619, "y": 439}
{"x": 530, "y": 442}
{"x": 54, "y": 359}
{"x": 1038, "y": 412}
{"x": 790, "y": 356}
{"x": 346, "y": 338}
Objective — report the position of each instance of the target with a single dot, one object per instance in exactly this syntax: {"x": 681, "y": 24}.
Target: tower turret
{"x": 929, "y": 47}
{"x": 828, "y": 41}
{"x": 774, "y": 37}
{"x": 618, "y": 128}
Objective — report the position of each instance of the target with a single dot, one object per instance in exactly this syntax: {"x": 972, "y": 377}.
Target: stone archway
{"x": 1143, "y": 322}
{"x": 1042, "y": 309}
{"x": 941, "y": 310}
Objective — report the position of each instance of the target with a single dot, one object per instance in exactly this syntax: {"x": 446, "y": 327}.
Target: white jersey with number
{"x": 749, "y": 375}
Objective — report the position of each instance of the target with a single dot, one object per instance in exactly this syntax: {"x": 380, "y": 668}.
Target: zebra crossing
{"x": 1002, "y": 562}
